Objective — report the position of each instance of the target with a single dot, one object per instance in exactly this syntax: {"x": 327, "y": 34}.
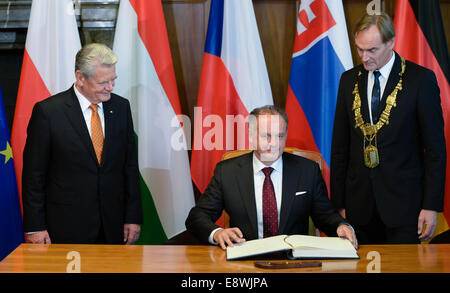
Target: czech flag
{"x": 233, "y": 82}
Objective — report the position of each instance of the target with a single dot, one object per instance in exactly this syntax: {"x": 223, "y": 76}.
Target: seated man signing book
{"x": 266, "y": 192}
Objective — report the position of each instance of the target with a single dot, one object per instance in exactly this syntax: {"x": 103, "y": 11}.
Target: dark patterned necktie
{"x": 270, "y": 211}
{"x": 375, "y": 97}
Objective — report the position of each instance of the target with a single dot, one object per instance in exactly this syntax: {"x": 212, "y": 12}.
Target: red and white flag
{"x": 234, "y": 81}
{"x": 48, "y": 65}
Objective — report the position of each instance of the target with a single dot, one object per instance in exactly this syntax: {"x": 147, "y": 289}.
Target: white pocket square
{"x": 300, "y": 193}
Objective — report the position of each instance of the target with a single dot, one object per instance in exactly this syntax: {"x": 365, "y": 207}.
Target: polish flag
{"x": 48, "y": 65}
{"x": 146, "y": 77}
{"x": 234, "y": 81}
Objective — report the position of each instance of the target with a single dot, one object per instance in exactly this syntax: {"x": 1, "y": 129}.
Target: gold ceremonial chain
{"x": 371, "y": 157}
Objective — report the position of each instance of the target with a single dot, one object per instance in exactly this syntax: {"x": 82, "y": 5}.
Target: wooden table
{"x": 62, "y": 258}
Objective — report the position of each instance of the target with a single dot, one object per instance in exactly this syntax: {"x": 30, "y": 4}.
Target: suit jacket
{"x": 232, "y": 189}
{"x": 412, "y": 154}
{"x": 65, "y": 190}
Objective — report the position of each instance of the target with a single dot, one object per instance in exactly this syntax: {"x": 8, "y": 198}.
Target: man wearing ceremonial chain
{"x": 388, "y": 156}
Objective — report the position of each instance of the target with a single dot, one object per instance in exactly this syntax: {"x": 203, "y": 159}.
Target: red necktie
{"x": 270, "y": 211}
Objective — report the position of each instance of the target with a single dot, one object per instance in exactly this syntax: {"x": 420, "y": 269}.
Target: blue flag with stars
{"x": 11, "y": 234}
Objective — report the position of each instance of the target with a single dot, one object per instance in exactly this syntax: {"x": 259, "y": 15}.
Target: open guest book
{"x": 296, "y": 246}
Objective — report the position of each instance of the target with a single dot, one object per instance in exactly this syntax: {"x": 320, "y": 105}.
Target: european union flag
{"x": 11, "y": 234}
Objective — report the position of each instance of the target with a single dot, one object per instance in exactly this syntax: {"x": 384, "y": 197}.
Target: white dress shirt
{"x": 87, "y": 112}
{"x": 258, "y": 178}
{"x": 385, "y": 71}
{"x": 277, "y": 179}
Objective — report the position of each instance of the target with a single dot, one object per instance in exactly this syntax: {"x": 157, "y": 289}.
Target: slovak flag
{"x": 234, "y": 81}
{"x": 321, "y": 54}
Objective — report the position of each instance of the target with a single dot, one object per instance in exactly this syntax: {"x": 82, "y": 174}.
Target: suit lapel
{"x": 244, "y": 178}
{"x": 288, "y": 191}
{"x": 390, "y": 86}
{"x": 362, "y": 87}
{"x": 392, "y": 81}
{"x": 76, "y": 118}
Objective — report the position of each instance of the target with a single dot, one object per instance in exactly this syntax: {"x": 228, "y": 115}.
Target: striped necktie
{"x": 376, "y": 97}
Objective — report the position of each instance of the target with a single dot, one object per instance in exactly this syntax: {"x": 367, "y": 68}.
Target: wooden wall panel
{"x": 354, "y": 10}
{"x": 187, "y": 23}
{"x": 445, "y": 10}
{"x": 276, "y": 24}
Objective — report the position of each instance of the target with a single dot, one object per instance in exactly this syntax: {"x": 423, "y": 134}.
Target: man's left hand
{"x": 131, "y": 233}
{"x": 429, "y": 218}
{"x": 345, "y": 231}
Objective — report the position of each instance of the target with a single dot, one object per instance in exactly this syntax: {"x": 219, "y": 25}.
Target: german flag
{"x": 420, "y": 38}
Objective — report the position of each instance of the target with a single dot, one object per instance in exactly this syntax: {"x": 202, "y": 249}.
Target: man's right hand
{"x": 40, "y": 237}
{"x": 228, "y": 236}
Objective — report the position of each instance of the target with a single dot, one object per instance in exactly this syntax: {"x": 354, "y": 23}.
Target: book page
{"x": 257, "y": 247}
{"x": 320, "y": 247}
{"x": 328, "y": 243}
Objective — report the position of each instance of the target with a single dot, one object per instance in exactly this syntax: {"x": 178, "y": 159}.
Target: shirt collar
{"x": 258, "y": 165}
{"x": 84, "y": 102}
{"x": 386, "y": 69}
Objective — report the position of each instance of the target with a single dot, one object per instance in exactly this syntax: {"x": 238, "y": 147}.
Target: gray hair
{"x": 91, "y": 54}
{"x": 383, "y": 23}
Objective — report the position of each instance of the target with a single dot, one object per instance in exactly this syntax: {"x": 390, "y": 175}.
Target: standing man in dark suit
{"x": 388, "y": 152}
{"x": 266, "y": 192}
{"x": 80, "y": 175}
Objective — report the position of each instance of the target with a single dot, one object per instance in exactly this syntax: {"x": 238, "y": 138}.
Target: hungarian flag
{"x": 321, "y": 54}
{"x": 420, "y": 38}
{"x": 48, "y": 65}
{"x": 146, "y": 77}
{"x": 11, "y": 234}
{"x": 233, "y": 82}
